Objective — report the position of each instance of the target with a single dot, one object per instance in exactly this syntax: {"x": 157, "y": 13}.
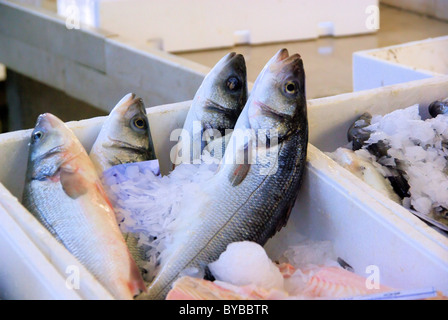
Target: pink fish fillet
{"x": 334, "y": 282}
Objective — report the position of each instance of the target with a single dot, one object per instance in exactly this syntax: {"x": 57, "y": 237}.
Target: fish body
{"x": 215, "y": 108}
{"x": 124, "y": 137}
{"x": 366, "y": 171}
{"x": 63, "y": 191}
{"x": 359, "y": 135}
{"x": 249, "y": 200}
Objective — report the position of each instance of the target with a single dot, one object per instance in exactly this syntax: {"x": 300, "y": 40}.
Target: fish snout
{"x": 131, "y": 100}
{"x": 282, "y": 54}
{"x": 47, "y": 121}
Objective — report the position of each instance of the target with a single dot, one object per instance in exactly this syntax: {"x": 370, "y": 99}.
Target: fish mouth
{"x": 115, "y": 143}
{"x": 47, "y": 120}
{"x": 127, "y": 101}
{"x": 215, "y": 107}
{"x": 233, "y": 60}
{"x": 50, "y": 153}
{"x": 230, "y": 56}
{"x": 283, "y": 55}
{"x": 285, "y": 62}
{"x": 271, "y": 111}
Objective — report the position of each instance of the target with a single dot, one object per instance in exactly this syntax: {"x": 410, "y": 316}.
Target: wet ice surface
{"x": 151, "y": 206}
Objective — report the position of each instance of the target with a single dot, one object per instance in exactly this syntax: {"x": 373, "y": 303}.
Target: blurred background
{"x": 188, "y": 37}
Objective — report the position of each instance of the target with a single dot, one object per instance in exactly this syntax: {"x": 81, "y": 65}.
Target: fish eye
{"x": 291, "y": 87}
{"x": 139, "y": 123}
{"x": 37, "y": 136}
{"x": 233, "y": 83}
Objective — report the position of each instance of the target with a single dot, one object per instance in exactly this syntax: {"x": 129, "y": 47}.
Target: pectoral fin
{"x": 239, "y": 174}
{"x": 73, "y": 183}
{"x": 242, "y": 167}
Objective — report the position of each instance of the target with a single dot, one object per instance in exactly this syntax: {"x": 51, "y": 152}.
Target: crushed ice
{"x": 419, "y": 148}
{"x": 148, "y": 205}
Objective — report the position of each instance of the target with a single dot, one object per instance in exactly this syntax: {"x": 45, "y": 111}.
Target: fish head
{"x": 47, "y": 136}
{"x": 51, "y": 144}
{"x": 125, "y": 135}
{"x": 278, "y": 99}
{"x": 128, "y": 122}
{"x": 224, "y": 90}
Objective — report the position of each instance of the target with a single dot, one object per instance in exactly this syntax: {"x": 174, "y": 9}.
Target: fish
{"x": 248, "y": 200}
{"x": 63, "y": 191}
{"x": 215, "y": 108}
{"x": 358, "y": 135}
{"x": 438, "y": 107}
{"x": 365, "y": 170}
{"x": 125, "y": 136}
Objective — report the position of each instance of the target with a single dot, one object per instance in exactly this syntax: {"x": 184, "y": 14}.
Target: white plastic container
{"x": 400, "y": 63}
{"x": 366, "y": 228}
{"x": 432, "y": 8}
{"x": 178, "y": 25}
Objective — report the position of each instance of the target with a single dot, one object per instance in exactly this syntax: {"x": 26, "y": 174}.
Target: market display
{"x": 199, "y": 232}
{"x": 235, "y": 194}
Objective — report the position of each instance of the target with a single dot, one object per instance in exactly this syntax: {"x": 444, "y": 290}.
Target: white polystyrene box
{"x": 432, "y": 8}
{"x": 178, "y": 25}
{"x": 400, "y": 63}
{"x": 366, "y": 228}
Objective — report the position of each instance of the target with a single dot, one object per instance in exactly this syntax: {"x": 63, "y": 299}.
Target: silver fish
{"x": 63, "y": 191}
{"x": 124, "y": 137}
{"x": 251, "y": 199}
{"x": 215, "y": 107}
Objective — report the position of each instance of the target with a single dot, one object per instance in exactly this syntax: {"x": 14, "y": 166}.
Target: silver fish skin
{"x": 251, "y": 200}
{"x": 63, "y": 191}
{"x": 216, "y": 105}
{"x": 125, "y": 136}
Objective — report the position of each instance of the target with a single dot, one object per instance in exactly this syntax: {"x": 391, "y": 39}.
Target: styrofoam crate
{"x": 400, "y": 63}
{"x": 178, "y": 25}
{"x": 365, "y": 228}
{"x": 432, "y": 8}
